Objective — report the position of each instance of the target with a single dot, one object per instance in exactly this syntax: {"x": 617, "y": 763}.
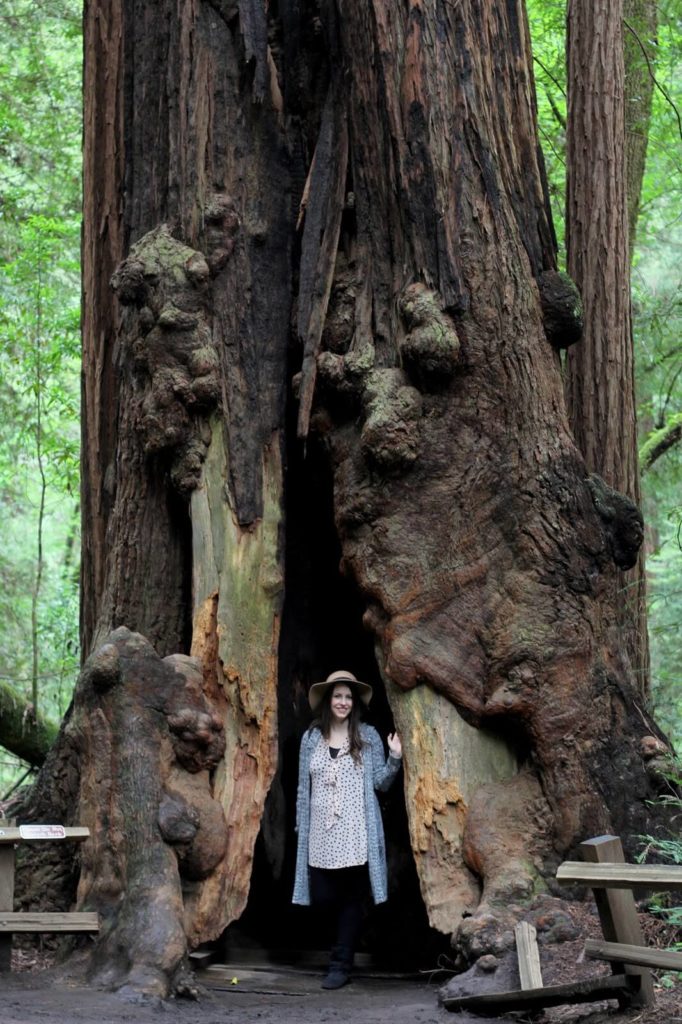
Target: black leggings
{"x": 341, "y": 893}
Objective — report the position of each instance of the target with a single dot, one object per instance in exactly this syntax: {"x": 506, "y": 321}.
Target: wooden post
{"x": 528, "y": 954}
{"x": 6, "y": 897}
{"x": 618, "y": 913}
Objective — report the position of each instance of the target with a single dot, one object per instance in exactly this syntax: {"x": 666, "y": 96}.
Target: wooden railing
{"x": 612, "y": 882}
{"x": 30, "y": 921}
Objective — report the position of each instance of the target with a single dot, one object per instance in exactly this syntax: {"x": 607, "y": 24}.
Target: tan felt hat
{"x": 318, "y": 690}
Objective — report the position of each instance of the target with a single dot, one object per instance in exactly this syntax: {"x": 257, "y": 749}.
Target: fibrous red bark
{"x": 600, "y": 371}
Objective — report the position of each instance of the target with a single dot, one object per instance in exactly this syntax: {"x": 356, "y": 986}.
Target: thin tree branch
{"x": 551, "y": 76}
{"x": 660, "y": 442}
{"x": 22, "y": 731}
{"x": 660, "y": 88}
{"x": 35, "y": 597}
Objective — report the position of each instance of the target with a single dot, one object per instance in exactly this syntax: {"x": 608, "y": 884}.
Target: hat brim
{"x": 318, "y": 690}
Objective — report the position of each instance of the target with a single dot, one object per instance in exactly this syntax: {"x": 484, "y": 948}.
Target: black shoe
{"x": 340, "y": 966}
{"x": 337, "y": 977}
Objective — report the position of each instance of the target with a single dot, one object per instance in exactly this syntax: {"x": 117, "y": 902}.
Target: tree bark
{"x": 420, "y": 299}
{"x": 458, "y": 491}
{"x": 185, "y": 376}
{"x": 600, "y": 371}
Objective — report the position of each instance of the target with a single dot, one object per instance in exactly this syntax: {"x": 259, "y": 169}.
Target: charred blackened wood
{"x": 622, "y": 519}
{"x": 562, "y": 309}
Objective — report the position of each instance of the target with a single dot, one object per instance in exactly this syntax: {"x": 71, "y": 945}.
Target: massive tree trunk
{"x": 352, "y": 190}
{"x": 600, "y": 371}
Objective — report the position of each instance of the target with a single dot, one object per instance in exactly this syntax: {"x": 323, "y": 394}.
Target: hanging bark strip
{"x": 325, "y": 201}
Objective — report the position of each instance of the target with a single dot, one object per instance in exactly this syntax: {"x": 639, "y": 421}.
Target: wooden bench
{"x": 30, "y": 921}
{"x": 612, "y": 881}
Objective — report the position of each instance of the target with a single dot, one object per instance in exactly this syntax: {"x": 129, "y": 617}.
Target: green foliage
{"x": 40, "y": 142}
{"x": 657, "y": 297}
{"x": 662, "y": 185}
{"x": 668, "y": 849}
{"x": 547, "y": 19}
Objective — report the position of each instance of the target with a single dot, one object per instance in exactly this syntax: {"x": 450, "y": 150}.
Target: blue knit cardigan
{"x": 379, "y": 773}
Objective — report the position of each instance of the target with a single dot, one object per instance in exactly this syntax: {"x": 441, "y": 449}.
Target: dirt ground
{"x": 256, "y": 989}
{"x": 264, "y": 996}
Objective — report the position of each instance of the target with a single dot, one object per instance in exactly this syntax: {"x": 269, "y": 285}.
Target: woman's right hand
{"x": 395, "y": 747}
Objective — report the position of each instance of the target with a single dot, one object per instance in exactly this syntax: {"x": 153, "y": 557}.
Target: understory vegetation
{"x": 40, "y": 157}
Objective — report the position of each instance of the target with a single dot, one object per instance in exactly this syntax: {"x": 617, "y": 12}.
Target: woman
{"x": 340, "y": 834}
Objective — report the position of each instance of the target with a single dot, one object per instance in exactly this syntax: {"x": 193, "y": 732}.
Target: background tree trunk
{"x": 600, "y": 371}
{"x": 639, "y": 41}
{"x": 426, "y": 312}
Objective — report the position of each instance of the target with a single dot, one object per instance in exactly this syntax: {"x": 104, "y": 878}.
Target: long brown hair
{"x": 323, "y": 721}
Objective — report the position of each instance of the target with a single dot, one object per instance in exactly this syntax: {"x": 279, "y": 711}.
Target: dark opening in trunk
{"x": 322, "y": 631}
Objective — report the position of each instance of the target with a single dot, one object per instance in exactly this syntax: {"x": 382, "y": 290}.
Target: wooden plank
{"x": 528, "y": 955}
{"x": 618, "y": 913}
{"x": 646, "y": 956}
{"x": 12, "y": 835}
{"x": 592, "y": 990}
{"x": 6, "y": 897}
{"x": 29, "y": 921}
{"x": 621, "y": 876}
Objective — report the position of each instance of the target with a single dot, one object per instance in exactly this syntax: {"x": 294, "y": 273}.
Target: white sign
{"x": 42, "y": 831}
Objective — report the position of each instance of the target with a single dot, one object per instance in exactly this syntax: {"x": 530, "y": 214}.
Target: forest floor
{"x": 47, "y": 995}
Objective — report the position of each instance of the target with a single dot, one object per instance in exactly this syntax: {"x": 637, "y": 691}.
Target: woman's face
{"x": 341, "y": 702}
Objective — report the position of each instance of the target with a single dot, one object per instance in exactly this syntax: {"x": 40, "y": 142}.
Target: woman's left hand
{"x": 395, "y": 747}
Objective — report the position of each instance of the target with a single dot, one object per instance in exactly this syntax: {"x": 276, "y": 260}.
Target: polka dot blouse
{"x": 338, "y": 830}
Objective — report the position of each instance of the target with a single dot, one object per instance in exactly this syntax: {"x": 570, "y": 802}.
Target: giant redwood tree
{"x": 324, "y": 427}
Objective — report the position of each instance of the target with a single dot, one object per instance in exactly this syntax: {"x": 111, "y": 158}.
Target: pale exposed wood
{"x": 617, "y": 911}
{"x": 238, "y": 591}
{"x": 28, "y": 921}
{"x": 12, "y": 835}
{"x": 645, "y": 956}
{"x": 447, "y": 762}
{"x": 621, "y": 876}
{"x": 590, "y": 991}
{"x": 528, "y": 956}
